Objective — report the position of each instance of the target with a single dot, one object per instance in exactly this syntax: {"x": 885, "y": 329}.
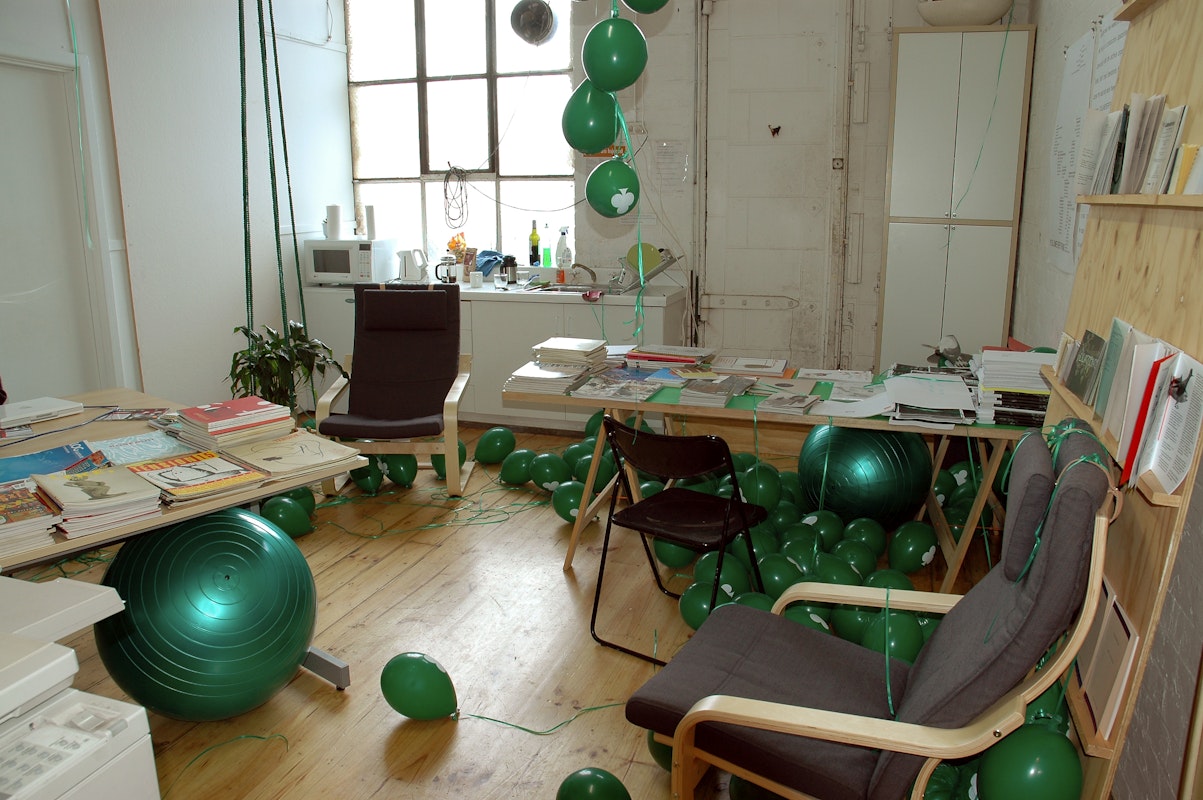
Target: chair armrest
{"x": 329, "y": 397}
{"x": 901, "y": 599}
{"x": 901, "y": 737}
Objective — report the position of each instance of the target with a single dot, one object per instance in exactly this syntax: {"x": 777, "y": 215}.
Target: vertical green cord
{"x": 889, "y": 690}
{"x": 246, "y": 189}
{"x": 989, "y": 120}
{"x": 271, "y": 168}
{"x": 79, "y": 132}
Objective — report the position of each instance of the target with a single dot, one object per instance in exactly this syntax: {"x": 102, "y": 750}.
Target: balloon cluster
{"x": 614, "y": 55}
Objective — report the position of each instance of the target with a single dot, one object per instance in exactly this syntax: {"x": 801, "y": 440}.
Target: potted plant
{"x": 276, "y": 365}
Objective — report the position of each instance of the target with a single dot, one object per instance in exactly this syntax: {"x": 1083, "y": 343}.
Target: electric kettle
{"x": 413, "y": 266}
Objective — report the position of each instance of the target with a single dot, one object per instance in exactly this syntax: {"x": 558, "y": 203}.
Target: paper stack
{"x": 298, "y": 453}
{"x": 237, "y": 421}
{"x": 197, "y": 475}
{"x": 656, "y": 356}
{"x": 1010, "y": 389}
{"x": 537, "y": 378}
{"x": 98, "y": 499}
{"x": 24, "y": 517}
{"x": 714, "y": 393}
{"x": 569, "y": 352}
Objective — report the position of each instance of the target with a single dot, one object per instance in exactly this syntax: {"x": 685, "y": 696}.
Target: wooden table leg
{"x": 590, "y": 504}
{"x": 975, "y": 511}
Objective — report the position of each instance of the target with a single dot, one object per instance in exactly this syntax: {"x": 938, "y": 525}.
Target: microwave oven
{"x": 332, "y": 262}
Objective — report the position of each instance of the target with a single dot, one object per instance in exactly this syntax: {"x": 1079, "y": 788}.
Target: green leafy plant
{"x": 276, "y": 365}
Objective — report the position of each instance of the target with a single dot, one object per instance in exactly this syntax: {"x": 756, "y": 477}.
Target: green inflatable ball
{"x": 672, "y": 555}
{"x": 763, "y": 543}
{"x": 831, "y": 568}
{"x": 778, "y": 573}
{"x": 645, "y": 6}
{"x": 851, "y": 622}
{"x": 566, "y": 499}
{"x": 592, "y": 783}
{"x": 889, "y": 579}
{"x": 401, "y": 468}
{"x": 612, "y": 188}
{"x": 494, "y": 445}
{"x": 694, "y": 602}
{"x": 828, "y": 524}
{"x": 515, "y": 469}
{"x": 439, "y": 461}
{"x": 593, "y": 425}
{"x": 614, "y": 54}
{"x": 734, "y": 579}
{"x": 928, "y": 623}
{"x": 740, "y": 789}
{"x": 791, "y": 488}
{"x": 662, "y": 754}
{"x": 857, "y": 554}
{"x": 894, "y": 633}
{"x": 649, "y": 488}
{"x": 743, "y": 462}
{"x": 803, "y": 554}
{"x": 912, "y": 547}
{"x": 574, "y": 453}
{"x": 304, "y": 496}
{"x": 809, "y": 615}
{"x": 589, "y": 122}
{"x": 761, "y": 485}
{"x": 869, "y": 532}
{"x": 605, "y": 470}
{"x": 286, "y": 514}
{"x": 755, "y": 600}
{"x": 1049, "y": 709}
{"x": 1034, "y": 763}
{"x": 418, "y": 687}
{"x": 368, "y": 478}
{"x": 784, "y": 515}
{"x": 548, "y": 471}
{"x": 943, "y": 486}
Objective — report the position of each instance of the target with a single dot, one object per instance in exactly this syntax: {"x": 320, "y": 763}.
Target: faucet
{"x": 592, "y": 274}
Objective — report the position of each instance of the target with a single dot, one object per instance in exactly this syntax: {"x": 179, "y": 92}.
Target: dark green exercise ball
{"x": 286, "y": 514}
{"x": 369, "y": 477}
{"x": 592, "y": 783}
{"x": 862, "y": 473}
{"x": 418, "y": 687}
{"x": 515, "y": 469}
{"x": 778, "y": 574}
{"x": 912, "y": 547}
{"x": 439, "y": 461}
{"x": 1034, "y": 763}
{"x": 401, "y": 468}
{"x": 662, "y": 754}
{"x": 219, "y": 613}
{"x": 304, "y": 496}
{"x": 494, "y": 445}
{"x": 549, "y": 470}
{"x": 868, "y": 532}
{"x": 894, "y": 633}
{"x": 566, "y": 499}
{"x": 673, "y": 555}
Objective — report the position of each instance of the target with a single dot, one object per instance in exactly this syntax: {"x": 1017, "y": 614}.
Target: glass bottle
{"x": 534, "y": 244}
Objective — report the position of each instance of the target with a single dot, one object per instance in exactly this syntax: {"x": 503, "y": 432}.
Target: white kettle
{"x": 413, "y": 266}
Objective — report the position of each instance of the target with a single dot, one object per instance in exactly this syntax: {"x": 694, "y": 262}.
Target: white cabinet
{"x": 958, "y": 133}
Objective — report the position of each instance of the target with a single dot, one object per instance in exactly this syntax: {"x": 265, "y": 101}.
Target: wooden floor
{"x": 475, "y": 583}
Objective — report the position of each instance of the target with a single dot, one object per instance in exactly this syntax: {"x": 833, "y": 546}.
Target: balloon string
{"x": 886, "y": 650}
{"x": 550, "y": 730}
{"x": 826, "y": 459}
{"x": 211, "y": 748}
{"x": 613, "y": 9}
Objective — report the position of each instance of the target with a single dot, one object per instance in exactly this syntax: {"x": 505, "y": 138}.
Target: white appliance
{"x": 57, "y": 743}
{"x": 333, "y": 262}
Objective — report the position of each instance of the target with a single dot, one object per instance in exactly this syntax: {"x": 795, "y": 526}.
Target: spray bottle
{"x": 563, "y": 256}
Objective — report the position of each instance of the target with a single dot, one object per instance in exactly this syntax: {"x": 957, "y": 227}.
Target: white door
{"x": 50, "y": 346}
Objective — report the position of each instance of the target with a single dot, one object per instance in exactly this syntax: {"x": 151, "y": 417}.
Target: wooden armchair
{"x": 407, "y": 380}
{"x": 808, "y": 715}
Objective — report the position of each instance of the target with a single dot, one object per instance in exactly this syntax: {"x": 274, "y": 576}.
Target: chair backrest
{"x": 668, "y": 457}
{"x": 406, "y": 354}
{"x": 998, "y": 631}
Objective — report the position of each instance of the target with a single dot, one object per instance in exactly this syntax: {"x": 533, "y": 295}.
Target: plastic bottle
{"x": 534, "y": 244}
{"x": 563, "y": 256}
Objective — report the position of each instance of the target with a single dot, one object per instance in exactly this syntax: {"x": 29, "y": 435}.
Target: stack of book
{"x": 611, "y": 387}
{"x": 195, "y": 476}
{"x": 782, "y": 403}
{"x": 1010, "y": 390}
{"x": 298, "y": 453}
{"x": 98, "y": 499}
{"x": 539, "y": 379}
{"x": 25, "y": 519}
{"x": 714, "y": 393}
{"x": 657, "y": 356}
{"x": 756, "y": 367}
{"x": 237, "y": 421}
{"x": 566, "y": 351}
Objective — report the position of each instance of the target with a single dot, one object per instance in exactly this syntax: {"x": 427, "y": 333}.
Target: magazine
{"x": 52, "y": 460}
{"x": 197, "y": 475}
{"x": 787, "y": 403}
{"x": 97, "y": 490}
{"x": 295, "y": 454}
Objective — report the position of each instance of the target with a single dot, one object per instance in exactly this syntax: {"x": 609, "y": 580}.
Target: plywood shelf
{"x": 1134, "y": 8}
{"x": 1148, "y": 200}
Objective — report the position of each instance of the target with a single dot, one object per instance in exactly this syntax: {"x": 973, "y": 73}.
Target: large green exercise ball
{"x": 566, "y": 499}
{"x": 368, "y": 477}
{"x": 219, "y": 613}
{"x": 761, "y": 486}
{"x": 894, "y": 633}
{"x": 614, "y": 54}
{"x": 864, "y": 473}
{"x": 401, "y": 468}
{"x": 418, "y": 687}
{"x": 439, "y": 461}
{"x": 494, "y": 445}
{"x": 515, "y": 469}
{"x": 592, "y": 783}
{"x": 912, "y": 547}
{"x": 286, "y": 514}
{"x": 778, "y": 574}
{"x": 549, "y": 470}
{"x": 662, "y": 754}
{"x": 590, "y": 119}
{"x": 1034, "y": 763}
{"x": 304, "y": 496}
{"x": 612, "y": 188}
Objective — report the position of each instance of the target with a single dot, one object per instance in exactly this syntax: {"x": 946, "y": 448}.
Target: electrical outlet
{"x": 637, "y": 129}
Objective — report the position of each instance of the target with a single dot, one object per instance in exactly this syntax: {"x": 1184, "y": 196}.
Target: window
{"x": 437, "y": 85}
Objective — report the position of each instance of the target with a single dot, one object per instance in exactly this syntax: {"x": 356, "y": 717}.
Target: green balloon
{"x": 944, "y": 486}
{"x": 803, "y": 552}
{"x": 869, "y": 532}
{"x": 778, "y": 573}
{"x": 963, "y": 494}
{"x": 566, "y": 499}
{"x": 928, "y": 623}
{"x": 645, "y": 6}
{"x": 417, "y": 686}
{"x": 1032, "y": 762}
{"x": 548, "y": 471}
{"x": 643, "y": 425}
{"x": 439, "y": 461}
{"x": 694, "y": 602}
{"x": 494, "y": 445}
{"x": 828, "y": 524}
{"x": 737, "y": 787}
{"x": 763, "y": 543}
{"x": 304, "y": 496}
{"x": 942, "y": 784}
{"x": 649, "y": 488}
{"x": 850, "y": 622}
{"x": 962, "y": 472}
{"x": 672, "y": 555}
{"x": 590, "y": 119}
{"x": 833, "y": 569}
{"x": 810, "y": 615}
{"x": 784, "y": 515}
{"x": 662, "y": 754}
{"x": 755, "y": 600}
{"x": 895, "y": 633}
{"x": 515, "y": 469}
{"x": 612, "y": 188}
{"x": 889, "y": 579}
{"x": 605, "y": 470}
{"x": 368, "y": 478}
{"x": 286, "y": 514}
{"x": 912, "y": 547}
{"x": 592, "y": 783}
{"x": 791, "y": 488}
{"x": 594, "y": 424}
{"x": 574, "y": 453}
{"x": 402, "y": 468}
{"x": 857, "y": 554}
{"x": 1049, "y": 709}
{"x": 743, "y": 462}
{"x": 761, "y": 485}
{"x": 614, "y": 54}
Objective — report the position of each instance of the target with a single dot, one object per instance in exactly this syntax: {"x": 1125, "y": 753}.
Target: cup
{"x": 523, "y": 275}
{"x": 499, "y": 279}
{"x": 477, "y": 279}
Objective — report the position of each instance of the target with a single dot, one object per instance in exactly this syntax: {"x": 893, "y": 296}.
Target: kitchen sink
{"x": 575, "y": 288}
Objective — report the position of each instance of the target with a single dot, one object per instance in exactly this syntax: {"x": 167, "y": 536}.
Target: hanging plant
{"x": 277, "y": 365}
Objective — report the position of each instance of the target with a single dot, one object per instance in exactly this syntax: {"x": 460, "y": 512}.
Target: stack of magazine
{"x": 98, "y": 499}
{"x": 567, "y": 351}
{"x": 714, "y": 393}
{"x": 25, "y": 519}
{"x": 195, "y": 476}
{"x": 238, "y": 421}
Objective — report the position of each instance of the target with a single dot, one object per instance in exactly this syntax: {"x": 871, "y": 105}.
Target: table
{"x": 66, "y": 430}
{"x": 992, "y": 443}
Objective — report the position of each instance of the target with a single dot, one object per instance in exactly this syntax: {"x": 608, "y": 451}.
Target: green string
{"x": 990, "y": 119}
{"x": 826, "y": 460}
{"x": 886, "y": 650}
{"x": 211, "y": 748}
{"x": 550, "y": 730}
{"x": 79, "y": 132}
{"x": 246, "y": 186}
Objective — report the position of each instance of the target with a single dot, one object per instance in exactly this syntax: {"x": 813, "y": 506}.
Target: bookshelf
{"x": 1139, "y": 263}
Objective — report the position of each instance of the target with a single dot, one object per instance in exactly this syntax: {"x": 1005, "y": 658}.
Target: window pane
{"x": 549, "y": 203}
{"x": 380, "y": 40}
{"x": 480, "y": 223}
{"x": 384, "y": 131}
{"x": 455, "y": 37}
{"x": 398, "y": 212}
{"x": 528, "y": 121}
{"x": 516, "y": 55}
{"x": 459, "y": 131}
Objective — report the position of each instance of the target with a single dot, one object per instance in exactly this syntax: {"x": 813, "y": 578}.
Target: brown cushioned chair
{"x": 807, "y": 714}
{"x": 700, "y": 522}
{"x": 407, "y": 377}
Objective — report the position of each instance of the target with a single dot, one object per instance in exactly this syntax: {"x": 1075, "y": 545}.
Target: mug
{"x": 478, "y": 279}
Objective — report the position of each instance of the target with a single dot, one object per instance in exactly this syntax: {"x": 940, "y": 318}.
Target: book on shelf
{"x": 1145, "y": 117}
{"x": 44, "y": 461}
{"x": 299, "y": 453}
{"x": 1105, "y": 661}
{"x": 1114, "y": 130}
{"x": 744, "y": 365}
{"x": 1115, "y": 348}
{"x": 240, "y": 412}
{"x": 1088, "y": 363}
{"x": 1156, "y": 387}
{"x": 1184, "y": 162}
{"x": 1167, "y": 138}
{"x": 1175, "y": 416}
{"x": 197, "y": 475}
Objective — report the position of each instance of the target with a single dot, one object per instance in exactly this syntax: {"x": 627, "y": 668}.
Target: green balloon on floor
{"x": 594, "y": 423}
{"x": 944, "y": 486}
{"x": 515, "y": 469}
{"x": 662, "y": 754}
{"x": 784, "y": 515}
{"x": 566, "y": 499}
{"x": 575, "y": 452}
{"x": 868, "y": 532}
{"x": 494, "y": 445}
{"x": 828, "y": 524}
{"x": 368, "y": 478}
{"x": 734, "y": 578}
{"x": 439, "y": 461}
{"x": 894, "y": 633}
{"x": 1034, "y": 763}
{"x": 402, "y": 468}
{"x": 649, "y": 488}
{"x": 889, "y": 579}
{"x": 761, "y": 485}
{"x": 809, "y": 615}
{"x": 912, "y": 547}
{"x": 694, "y": 602}
{"x": 548, "y": 471}
{"x": 763, "y": 543}
{"x": 672, "y": 555}
{"x": 833, "y": 569}
{"x": 418, "y": 687}
{"x": 778, "y": 574}
{"x": 304, "y": 496}
{"x": 755, "y": 600}
{"x": 286, "y": 514}
{"x": 592, "y": 783}
{"x": 740, "y": 789}
{"x": 850, "y": 622}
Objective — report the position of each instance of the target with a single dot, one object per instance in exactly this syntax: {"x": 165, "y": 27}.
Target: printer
{"x": 58, "y": 743}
